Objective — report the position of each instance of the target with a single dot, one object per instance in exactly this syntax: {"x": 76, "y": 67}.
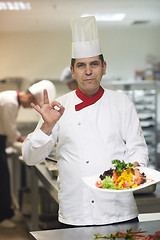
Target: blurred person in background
{"x": 10, "y": 102}
{"x": 66, "y": 77}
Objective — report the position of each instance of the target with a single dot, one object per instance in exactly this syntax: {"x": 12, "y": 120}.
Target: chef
{"x": 10, "y": 101}
{"x": 91, "y": 126}
{"x": 66, "y": 77}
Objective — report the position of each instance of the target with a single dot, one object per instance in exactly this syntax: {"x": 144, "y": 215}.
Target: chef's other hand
{"x": 50, "y": 112}
{"x": 135, "y": 164}
{"x": 21, "y": 138}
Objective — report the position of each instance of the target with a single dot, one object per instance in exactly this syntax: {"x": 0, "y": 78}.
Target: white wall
{"x": 126, "y": 50}
{"x": 44, "y": 55}
{"x": 34, "y": 55}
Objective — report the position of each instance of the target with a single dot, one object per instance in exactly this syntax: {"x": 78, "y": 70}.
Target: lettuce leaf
{"x": 109, "y": 184}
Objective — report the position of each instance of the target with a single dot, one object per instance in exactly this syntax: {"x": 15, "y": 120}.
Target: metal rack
{"x": 144, "y": 95}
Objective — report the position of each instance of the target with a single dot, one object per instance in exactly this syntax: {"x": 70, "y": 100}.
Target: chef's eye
{"x": 94, "y": 64}
{"x": 80, "y": 65}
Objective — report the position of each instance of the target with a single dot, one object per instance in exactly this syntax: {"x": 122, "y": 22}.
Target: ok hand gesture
{"x": 50, "y": 112}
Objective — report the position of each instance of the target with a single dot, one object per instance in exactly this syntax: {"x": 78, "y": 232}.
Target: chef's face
{"x": 88, "y": 72}
{"x": 27, "y": 100}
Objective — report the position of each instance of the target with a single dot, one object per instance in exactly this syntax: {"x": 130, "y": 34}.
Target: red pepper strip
{"x": 136, "y": 234}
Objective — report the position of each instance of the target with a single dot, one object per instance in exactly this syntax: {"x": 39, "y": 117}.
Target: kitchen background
{"x": 36, "y": 44}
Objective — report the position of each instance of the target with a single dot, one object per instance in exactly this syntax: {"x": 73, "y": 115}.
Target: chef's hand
{"x": 21, "y": 138}
{"x": 135, "y": 164}
{"x": 50, "y": 112}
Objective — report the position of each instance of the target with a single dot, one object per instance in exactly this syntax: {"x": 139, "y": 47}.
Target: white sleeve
{"x": 36, "y": 147}
{"x": 136, "y": 146}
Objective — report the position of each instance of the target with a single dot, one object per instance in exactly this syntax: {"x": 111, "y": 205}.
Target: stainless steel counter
{"x": 49, "y": 182}
{"x": 87, "y": 233}
{"x": 149, "y": 203}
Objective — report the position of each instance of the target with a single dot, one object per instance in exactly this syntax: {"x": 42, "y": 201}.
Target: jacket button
{"x": 87, "y": 161}
{"x": 92, "y": 201}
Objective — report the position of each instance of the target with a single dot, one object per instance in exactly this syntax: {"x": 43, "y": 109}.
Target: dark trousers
{"x": 5, "y": 196}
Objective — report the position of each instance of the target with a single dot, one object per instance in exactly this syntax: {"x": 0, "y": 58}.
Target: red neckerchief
{"x": 87, "y": 101}
{"x": 18, "y": 98}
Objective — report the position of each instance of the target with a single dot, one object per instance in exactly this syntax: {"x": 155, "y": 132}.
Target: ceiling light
{"x": 107, "y": 17}
{"x": 15, "y": 6}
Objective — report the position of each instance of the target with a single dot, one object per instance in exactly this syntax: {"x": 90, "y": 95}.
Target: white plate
{"x": 149, "y": 172}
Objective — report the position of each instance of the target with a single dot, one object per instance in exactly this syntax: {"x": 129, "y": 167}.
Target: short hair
{"x": 74, "y": 59}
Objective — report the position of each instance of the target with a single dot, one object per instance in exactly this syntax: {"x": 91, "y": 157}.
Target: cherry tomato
{"x": 99, "y": 184}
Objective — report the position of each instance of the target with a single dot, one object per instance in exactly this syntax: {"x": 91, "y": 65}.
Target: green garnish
{"x": 121, "y": 166}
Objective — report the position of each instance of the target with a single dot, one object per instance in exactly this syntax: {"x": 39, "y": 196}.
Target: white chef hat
{"x": 40, "y": 86}
{"x": 66, "y": 75}
{"x": 85, "y": 41}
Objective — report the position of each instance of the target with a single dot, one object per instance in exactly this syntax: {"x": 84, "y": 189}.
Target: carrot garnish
{"x": 148, "y": 179}
{"x": 129, "y": 235}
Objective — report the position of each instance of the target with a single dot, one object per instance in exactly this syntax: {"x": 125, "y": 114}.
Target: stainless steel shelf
{"x": 144, "y": 95}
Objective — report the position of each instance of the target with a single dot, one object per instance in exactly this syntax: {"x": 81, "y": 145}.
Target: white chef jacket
{"x": 87, "y": 142}
{"x": 8, "y": 114}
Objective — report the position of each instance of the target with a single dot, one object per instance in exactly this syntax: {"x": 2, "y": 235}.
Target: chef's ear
{"x": 72, "y": 70}
{"x": 104, "y": 67}
{"x": 30, "y": 96}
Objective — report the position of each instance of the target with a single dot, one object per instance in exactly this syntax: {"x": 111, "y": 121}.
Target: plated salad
{"x": 123, "y": 176}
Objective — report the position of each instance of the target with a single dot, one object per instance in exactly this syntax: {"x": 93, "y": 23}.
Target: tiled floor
{"x": 21, "y": 232}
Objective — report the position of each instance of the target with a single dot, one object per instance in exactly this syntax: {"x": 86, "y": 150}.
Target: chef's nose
{"x": 88, "y": 70}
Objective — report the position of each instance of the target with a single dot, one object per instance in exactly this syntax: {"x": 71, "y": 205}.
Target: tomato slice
{"x": 137, "y": 177}
{"x": 126, "y": 184}
{"x": 99, "y": 184}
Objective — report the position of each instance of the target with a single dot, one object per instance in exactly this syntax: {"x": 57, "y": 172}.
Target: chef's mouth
{"x": 89, "y": 80}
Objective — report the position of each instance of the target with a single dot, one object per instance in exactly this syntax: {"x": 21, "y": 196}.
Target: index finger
{"x": 55, "y": 104}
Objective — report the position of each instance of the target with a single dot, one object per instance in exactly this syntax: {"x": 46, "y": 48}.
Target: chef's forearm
{"x": 36, "y": 147}
{"x": 46, "y": 128}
